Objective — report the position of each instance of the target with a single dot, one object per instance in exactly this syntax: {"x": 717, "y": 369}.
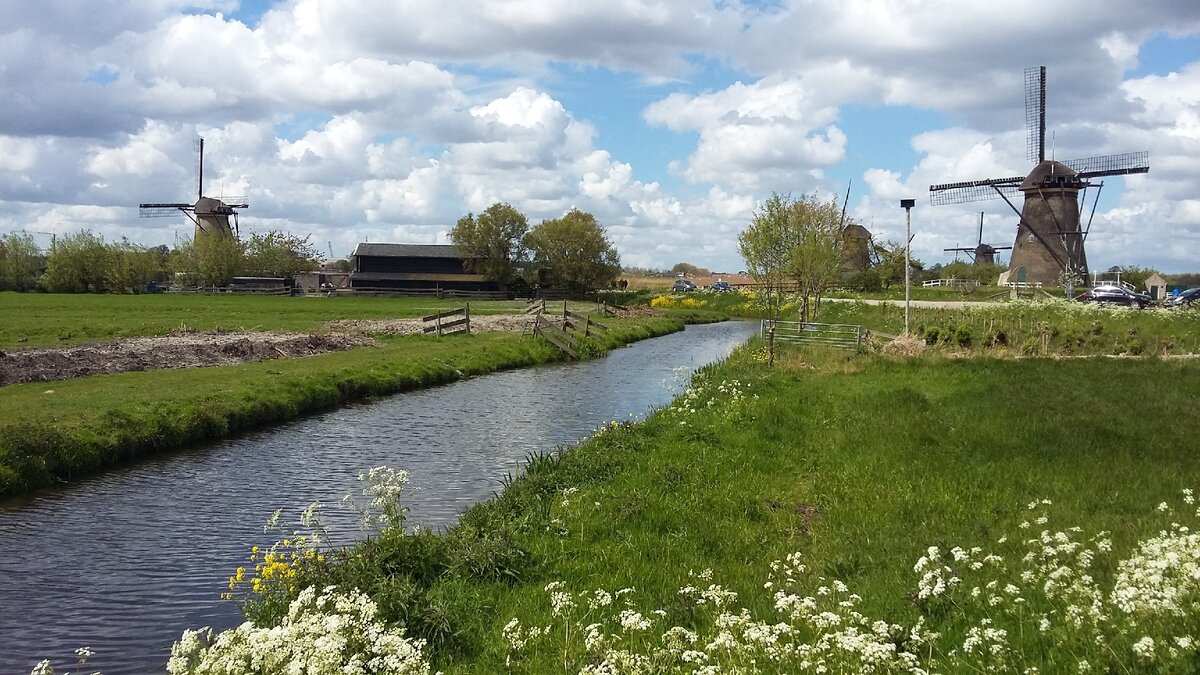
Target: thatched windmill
{"x": 981, "y": 253}
{"x": 210, "y": 215}
{"x": 1049, "y": 243}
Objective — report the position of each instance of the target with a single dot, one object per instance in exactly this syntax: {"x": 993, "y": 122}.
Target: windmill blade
{"x": 1111, "y": 165}
{"x": 163, "y": 210}
{"x": 1035, "y": 114}
{"x": 973, "y": 191}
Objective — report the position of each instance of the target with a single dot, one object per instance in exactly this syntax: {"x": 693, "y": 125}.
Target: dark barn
{"x": 414, "y": 267}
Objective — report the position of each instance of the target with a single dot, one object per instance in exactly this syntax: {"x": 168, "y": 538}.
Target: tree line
{"x": 83, "y": 262}
{"x": 571, "y": 252}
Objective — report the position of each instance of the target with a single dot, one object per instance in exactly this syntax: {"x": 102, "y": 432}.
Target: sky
{"x": 670, "y": 120}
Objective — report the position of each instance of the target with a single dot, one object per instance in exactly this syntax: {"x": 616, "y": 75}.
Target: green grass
{"x": 857, "y": 461}
{"x": 42, "y": 319}
{"x": 58, "y": 430}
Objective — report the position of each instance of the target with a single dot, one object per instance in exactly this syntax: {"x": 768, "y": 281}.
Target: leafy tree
{"x": 130, "y": 267}
{"x": 817, "y": 259}
{"x": 278, "y": 254}
{"x": 573, "y": 252}
{"x": 985, "y": 275}
{"x": 78, "y": 263}
{"x": 891, "y": 263}
{"x": 766, "y": 245}
{"x": 688, "y": 270}
{"x": 794, "y": 241}
{"x": 208, "y": 260}
{"x": 494, "y": 243}
{"x": 19, "y": 256}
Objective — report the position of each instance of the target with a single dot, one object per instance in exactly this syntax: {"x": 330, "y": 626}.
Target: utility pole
{"x": 907, "y": 205}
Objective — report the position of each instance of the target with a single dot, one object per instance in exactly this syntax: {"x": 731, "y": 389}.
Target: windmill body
{"x": 211, "y": 216}
{"x": 1049, "y": 242}
{"x": 1049, "y": 246}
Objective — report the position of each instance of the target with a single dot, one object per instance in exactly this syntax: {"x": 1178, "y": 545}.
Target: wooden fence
{"x": 543, "y": 327}
{"x": 583, "y": 323}
{"x": 446, "y": 323}
{"x": 807, "y": 332}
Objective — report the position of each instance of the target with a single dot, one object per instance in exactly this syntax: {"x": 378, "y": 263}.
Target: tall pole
{"x": 907, "y": 205}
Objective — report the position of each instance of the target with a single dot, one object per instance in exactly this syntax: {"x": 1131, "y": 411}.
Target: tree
{"x": 78, "y": 263}
{"x": 891, "y": 263}
{"x": 688, "y": 270}
{"x": 494, "y": 243}
{"x": 797, "y": 241}
{"x": 573, "y": 252}
{"x": 130, "y": 267}
{"x": 766, "y": 245}
{"x": 208, "y": 260}
{"x": 278, "y": 254}
{"x": 18, "y": 262}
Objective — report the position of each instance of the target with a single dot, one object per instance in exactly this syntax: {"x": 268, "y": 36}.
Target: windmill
{"x": 210, "y": 215}
{"x": 981, "y": 254}
{"x": 1049, "y": 243}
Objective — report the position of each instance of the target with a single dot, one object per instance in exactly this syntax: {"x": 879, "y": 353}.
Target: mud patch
{"x": 187, "y": 350}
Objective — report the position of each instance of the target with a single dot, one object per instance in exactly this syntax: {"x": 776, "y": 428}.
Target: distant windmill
{"x": 1049, "y": 243}
{"x": 211, "y": 216}
{"x": 981, "y": 254}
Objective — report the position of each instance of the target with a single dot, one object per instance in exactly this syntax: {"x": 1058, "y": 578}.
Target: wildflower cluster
{"x": 383, "y": 487}
{"x": 1054, "y": 579}
{"x": 281, "y": 570}
{"x": 325, "y": 632}
{"x": 821, "y": 632}
{"x": 1050, "y": 599}
{"x": 726, "y": 397}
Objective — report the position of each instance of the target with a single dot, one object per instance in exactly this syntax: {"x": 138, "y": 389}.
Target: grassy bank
{"x": 860, "y": 464}
{"x": 59, "y": 430}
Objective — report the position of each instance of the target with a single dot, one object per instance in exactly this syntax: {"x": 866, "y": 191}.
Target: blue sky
{"x": 671, "y": 120}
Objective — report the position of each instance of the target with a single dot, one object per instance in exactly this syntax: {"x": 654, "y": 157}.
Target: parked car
{"x": 1115, "y": 295}
{"x": 721, "y": 286}
{"x": 683, "y": 286}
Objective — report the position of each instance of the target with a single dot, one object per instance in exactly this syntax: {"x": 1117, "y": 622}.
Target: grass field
{"x": 858, "y": 462}
{"x": 41, "y": 319}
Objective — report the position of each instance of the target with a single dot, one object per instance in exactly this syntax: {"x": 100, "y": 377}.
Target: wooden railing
{"x": 543, "y": 327}
{"x": 446, "y": 323}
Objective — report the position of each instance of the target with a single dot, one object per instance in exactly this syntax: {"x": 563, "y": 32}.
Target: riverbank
{"x": 62, "y": 430}
{"x": 645, "y": 543}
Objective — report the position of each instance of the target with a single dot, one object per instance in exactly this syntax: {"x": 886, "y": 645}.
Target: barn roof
{"x": 408, "y": 250}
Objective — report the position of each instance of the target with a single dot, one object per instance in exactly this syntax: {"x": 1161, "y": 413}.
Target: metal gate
{"x": 832, "y": 334}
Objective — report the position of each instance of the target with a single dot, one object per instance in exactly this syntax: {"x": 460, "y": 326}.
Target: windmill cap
{"x": 1045, "y": 172}
{"x": 208, "y": 205}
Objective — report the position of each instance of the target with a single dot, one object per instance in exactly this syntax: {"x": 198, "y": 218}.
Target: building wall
{"x": 1056, "y": 213}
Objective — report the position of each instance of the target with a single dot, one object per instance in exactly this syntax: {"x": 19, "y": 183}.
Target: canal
{"x": 124, "y": 561}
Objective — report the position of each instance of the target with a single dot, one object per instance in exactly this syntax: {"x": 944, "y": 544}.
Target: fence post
{"x": 587, "y": 325}
{"x": 467, "y": 316}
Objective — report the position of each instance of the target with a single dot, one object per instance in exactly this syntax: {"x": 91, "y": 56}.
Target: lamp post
{"x": 907, "y": 205}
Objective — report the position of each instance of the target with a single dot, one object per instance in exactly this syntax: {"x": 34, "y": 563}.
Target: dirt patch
{"x": 904, "y": 346}
{"x": 186, "y": 350}
{"x": 195, "y": 349}
{"x": 483, "y": 323}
